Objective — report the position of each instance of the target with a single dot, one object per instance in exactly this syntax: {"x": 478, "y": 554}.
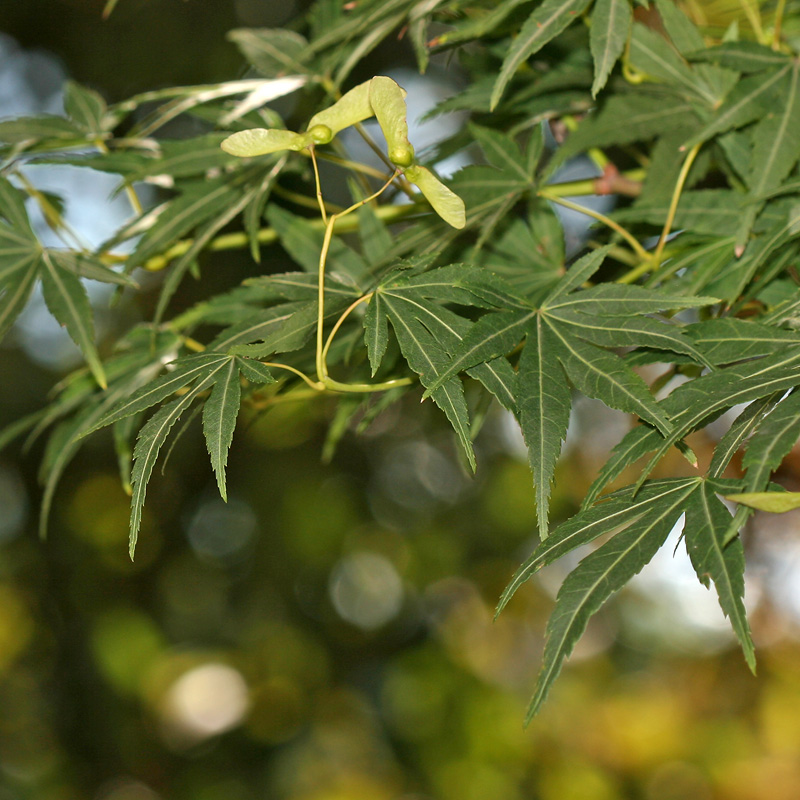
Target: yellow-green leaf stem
{"x": 322, "y": 372}
{"x": 318, "y": 187}
{"x": 673, "y": 206}
{"x": 776, "y": 30}
{"x": 234, "y": 241}
{"x": 345, "y": 314}
{"x": 626, "y": 235}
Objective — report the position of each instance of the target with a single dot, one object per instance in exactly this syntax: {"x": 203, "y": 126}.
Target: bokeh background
{"x": 328, "y": 634}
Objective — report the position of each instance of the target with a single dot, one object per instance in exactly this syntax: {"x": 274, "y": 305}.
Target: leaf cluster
{"x": 681, "y": 304}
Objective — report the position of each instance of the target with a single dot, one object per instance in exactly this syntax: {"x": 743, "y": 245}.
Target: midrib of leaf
{"x": 81, "y": 328}
{"x": 156, "y": 430}
{"x": 240, "y": 336}
{"x": 216, "y": 421}
{"x": 727, "y": 119}
{"x": 651, "y": 414}
{"x": 765, "y": 179}
{"x": 648, "y": 335}
{"x": 696, "y": 88}
{"x": 546, "y": 454}
{"x": 404, "y": 298}
{"x": 690, "y": 416}
{"x": 730, "y": 598}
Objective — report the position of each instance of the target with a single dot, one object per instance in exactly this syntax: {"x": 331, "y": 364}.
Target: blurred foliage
{"x": 247, "y": 653}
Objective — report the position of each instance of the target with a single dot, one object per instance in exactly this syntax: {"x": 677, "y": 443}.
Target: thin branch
{"x": 626, "y": 235}
{"x": 673, "y": 206}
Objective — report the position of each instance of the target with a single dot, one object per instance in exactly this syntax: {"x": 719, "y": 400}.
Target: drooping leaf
{"x": 774, "y": 438}
{"x": 707, "y": 522}
{"x": 600, "y": 575}
{"x": 68, "y": 302}
{"x": 219, "y": 419}
{"x": 703, "y": 398}
{"x": 741, "y": 429}
{"x": 185, "y": 371}
{"x": 613, "y": 512}
{"x": 428, "y": 360}
{"x": 544, "y": 405}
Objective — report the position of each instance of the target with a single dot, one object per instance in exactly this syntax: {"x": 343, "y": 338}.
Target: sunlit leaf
{"x": 260, "y": 141}
{"x": 598, "y": 576}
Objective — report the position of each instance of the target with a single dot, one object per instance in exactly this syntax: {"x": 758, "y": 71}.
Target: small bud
{"x": 402, "y": 155}
{"x": 321, "y": 134}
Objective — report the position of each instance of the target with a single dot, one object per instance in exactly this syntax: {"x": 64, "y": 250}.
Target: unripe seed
{"x": 321, "y": 134}
{"x": 402, "y": 155}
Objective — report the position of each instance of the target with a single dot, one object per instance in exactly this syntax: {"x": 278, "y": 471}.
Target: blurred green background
{"x": 328, "y": 634}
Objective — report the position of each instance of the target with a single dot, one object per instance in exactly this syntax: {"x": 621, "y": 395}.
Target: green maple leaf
{"x": 566, "y": 337}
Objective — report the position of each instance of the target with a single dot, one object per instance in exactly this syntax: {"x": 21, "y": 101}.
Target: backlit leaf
{"x": 707, "y": 522}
